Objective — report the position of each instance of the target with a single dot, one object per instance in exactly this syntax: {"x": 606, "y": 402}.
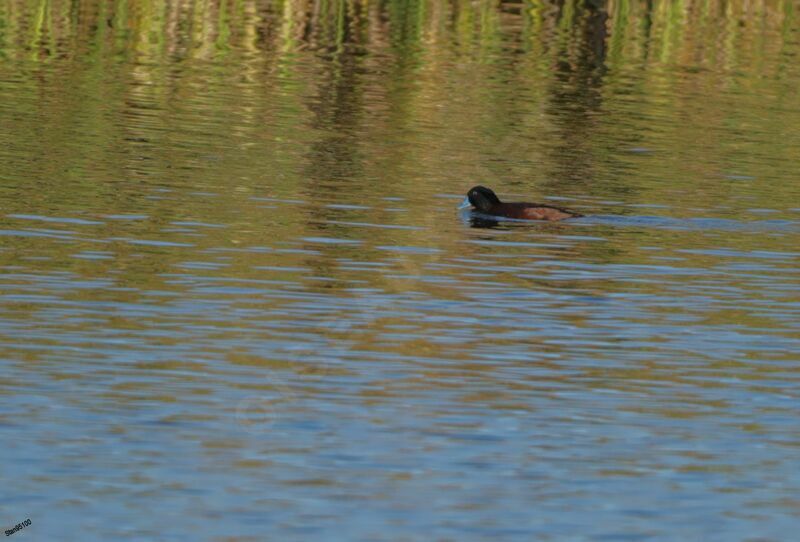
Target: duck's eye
{"x": 481, "y": 201}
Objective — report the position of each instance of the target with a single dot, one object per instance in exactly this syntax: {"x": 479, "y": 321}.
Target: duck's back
{"x": 532, "y": 211}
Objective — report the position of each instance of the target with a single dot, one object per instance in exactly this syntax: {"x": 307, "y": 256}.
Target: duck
{"x": 485, "y": 201}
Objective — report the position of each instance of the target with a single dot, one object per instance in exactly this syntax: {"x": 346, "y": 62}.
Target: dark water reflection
{"x": 238, "y": 301}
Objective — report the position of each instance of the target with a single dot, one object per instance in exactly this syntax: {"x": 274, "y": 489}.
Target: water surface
{"x": 238, "y": 302}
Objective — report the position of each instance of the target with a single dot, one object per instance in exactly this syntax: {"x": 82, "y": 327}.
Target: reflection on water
{"x": 238, "y": 299}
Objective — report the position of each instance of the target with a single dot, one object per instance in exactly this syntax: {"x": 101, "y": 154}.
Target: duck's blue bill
{"x": 464, "y": 204}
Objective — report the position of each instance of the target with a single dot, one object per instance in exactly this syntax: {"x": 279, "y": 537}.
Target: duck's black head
{"x": 482, "y": 198}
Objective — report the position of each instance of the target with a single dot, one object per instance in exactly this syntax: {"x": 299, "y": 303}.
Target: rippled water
{"x": 238, "y": 301}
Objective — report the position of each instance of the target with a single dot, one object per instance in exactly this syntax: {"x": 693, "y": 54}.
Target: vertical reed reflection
{"x": 575, "y": 92}
{"x": 531, "y": 77}
{"x": 160, "y": 29}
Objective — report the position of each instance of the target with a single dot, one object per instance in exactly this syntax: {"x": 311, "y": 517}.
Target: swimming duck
{"x": 486, "y": 202}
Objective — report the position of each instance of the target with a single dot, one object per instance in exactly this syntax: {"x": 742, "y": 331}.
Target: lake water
{"x": 238, "y": 301}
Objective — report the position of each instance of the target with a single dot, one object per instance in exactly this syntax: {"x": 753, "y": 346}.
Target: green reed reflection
{"x": 329, "y": 90}
{"x": 644, "y": 31}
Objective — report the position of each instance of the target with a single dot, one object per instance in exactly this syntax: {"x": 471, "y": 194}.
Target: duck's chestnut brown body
{"x": 485, "y": 201}
{"x": 530, "y": 211}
